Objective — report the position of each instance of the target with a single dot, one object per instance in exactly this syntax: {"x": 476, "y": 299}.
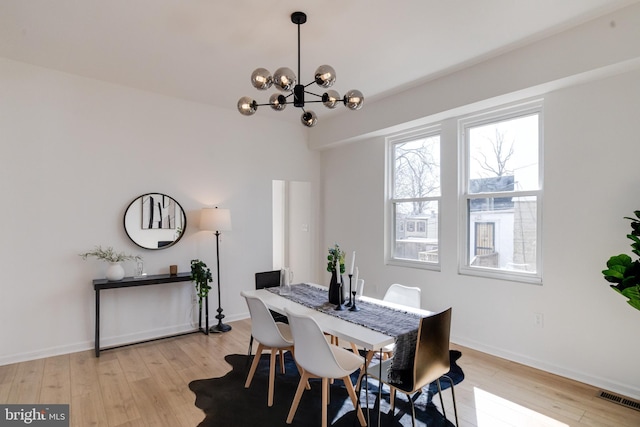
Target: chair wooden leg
{"x": 354, "y": 399}
{"x": 272, "y": 375}
{"x": 254, "y": 365}
{"x": 304, "y": 380}
{"x": 325, "y": 400}
{"x": 293, "y": 353}
{"x": 282, "y": 361}
{"x": 354, "y": 348}
{"x": 392, "y": 398}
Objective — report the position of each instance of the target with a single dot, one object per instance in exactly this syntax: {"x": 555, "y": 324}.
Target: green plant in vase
{"x": 335, "y": 258}
{"x": 201, "y": 276}
{"x": 335, "y": 266}
{"x": 625, "y": 272}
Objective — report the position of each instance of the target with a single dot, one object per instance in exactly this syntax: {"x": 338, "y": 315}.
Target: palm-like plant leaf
{"x": 625, "y": 272}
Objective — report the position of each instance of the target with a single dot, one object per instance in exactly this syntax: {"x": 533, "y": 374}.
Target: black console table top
{"x": 154, "y": 279}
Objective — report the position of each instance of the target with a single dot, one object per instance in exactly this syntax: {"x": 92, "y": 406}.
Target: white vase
{"x": 115, "y": 271}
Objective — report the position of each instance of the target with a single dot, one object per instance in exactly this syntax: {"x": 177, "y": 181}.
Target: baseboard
{"x": 89, "y": 345}
{"x": 627, "y": 390}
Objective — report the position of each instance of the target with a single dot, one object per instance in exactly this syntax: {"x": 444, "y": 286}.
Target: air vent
{"x": 620, "y": 400}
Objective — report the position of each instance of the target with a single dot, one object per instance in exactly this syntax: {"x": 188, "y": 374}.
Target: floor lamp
{"x": 217, "y": 220}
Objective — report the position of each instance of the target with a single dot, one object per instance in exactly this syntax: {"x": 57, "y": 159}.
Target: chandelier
{"x": 293, "y": 92}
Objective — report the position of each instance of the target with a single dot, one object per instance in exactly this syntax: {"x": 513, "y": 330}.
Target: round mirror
{"x": 155, "y": 221}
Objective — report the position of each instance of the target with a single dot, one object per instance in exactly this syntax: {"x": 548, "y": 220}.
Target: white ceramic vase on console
{"x": 115, "y": 271}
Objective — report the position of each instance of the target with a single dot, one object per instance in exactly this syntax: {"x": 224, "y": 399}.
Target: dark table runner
{"x": 400, "y": 324}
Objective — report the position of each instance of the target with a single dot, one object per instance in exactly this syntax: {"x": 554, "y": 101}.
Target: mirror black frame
{"x": 135, "y": 214}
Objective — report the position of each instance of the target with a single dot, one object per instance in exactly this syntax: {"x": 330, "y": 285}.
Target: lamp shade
{"x": 214, "y": 219}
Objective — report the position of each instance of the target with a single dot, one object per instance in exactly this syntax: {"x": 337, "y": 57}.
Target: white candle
{"x": 357, "y": 272}
{"x": 353, "y": 262}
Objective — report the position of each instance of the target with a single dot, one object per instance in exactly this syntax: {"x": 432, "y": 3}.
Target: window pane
{"x": 417, "y": 168}
{"x": 416, "y": 231}
{"x": 503, "y": 233}
{"x": 504, "y": 155}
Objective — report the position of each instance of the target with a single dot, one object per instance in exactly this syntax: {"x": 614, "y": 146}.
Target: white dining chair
{"x": 270, "y": 335}
{"x": 403, "y": 295}
{"x": 319, "y": 359}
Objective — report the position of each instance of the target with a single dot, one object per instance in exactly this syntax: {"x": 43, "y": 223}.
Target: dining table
{"x": 376, "y": 325}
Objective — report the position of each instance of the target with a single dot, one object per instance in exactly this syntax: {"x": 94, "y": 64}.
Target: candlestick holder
{"x": 340, "y": 306}
{"x": 353, "y": 306}
{"x": 350, "y": 303}
{"x": 354, "y": 292}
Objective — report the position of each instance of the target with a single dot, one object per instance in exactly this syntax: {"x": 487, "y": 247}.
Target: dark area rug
{"x": 226, "y": 403}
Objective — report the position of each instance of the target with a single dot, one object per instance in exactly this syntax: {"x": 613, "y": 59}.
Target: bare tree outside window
{"x": 415, "y": 198}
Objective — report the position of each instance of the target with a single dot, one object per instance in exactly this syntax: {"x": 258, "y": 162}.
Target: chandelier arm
{"x": 261, "y": 105}
{"x": 290, "y": 103}
{"x": 314, "y": 94}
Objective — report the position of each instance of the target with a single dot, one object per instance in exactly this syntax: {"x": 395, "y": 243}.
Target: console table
{"x": 128, "y": 282}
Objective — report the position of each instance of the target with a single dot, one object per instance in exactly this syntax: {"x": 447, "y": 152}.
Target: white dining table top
{"x": 343, "y": 329}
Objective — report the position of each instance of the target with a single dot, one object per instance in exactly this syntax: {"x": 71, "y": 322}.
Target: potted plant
{"x": 625, "y": 272}
{"x": 201, "y": 276}
{"x": 335, "y": 266}
{"x": 115, "y": 271}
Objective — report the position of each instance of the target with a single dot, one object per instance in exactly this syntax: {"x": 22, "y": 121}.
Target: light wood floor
{"x": 146, "y": 386}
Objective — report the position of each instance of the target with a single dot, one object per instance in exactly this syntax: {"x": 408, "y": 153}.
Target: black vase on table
{"x": 335, "y": 289}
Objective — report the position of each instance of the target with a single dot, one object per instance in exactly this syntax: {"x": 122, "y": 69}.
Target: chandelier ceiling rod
{"x": 298, "y": 18}
{"x": 285, "y": 80}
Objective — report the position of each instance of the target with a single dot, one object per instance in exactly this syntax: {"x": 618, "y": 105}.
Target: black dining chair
{"x": 268, "y": 279}
{"x": 430, "y": 363}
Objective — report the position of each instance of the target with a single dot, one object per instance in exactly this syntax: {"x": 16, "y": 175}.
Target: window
{"x": 502, "y": 193}
{"x": 414, "y": 202}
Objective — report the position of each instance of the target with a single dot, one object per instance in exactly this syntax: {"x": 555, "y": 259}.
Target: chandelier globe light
{"x": 292, "y": 92}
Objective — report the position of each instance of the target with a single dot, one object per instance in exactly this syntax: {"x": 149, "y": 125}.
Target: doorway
{"x": 292, "y": 228}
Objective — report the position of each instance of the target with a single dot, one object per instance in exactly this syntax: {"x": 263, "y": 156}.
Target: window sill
{"x": 414, "y": 264}
{"x": 512, "y": 276}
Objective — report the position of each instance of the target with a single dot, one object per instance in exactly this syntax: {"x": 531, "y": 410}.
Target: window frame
{"x": 534, "y": 107}
{"x": 390, "y": 218}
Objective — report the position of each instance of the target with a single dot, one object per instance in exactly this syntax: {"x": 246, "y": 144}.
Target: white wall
{"x": 591, "y": 182}
{"x": 74, "y": 153}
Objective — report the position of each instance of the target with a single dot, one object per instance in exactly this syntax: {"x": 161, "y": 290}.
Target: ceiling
{"x": 205, "y": 50}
